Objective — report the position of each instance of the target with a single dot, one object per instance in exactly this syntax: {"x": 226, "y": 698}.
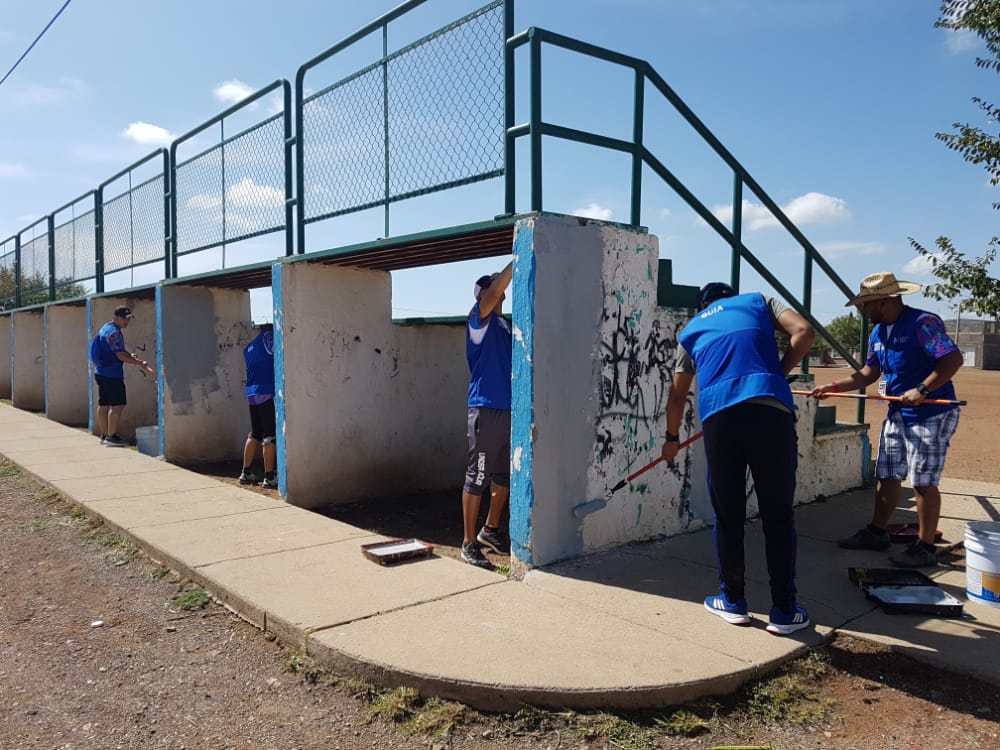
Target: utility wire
{"x": 40, "y": 35}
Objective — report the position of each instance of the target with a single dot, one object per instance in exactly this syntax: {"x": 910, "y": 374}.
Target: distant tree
{"x": 846, "y": 330}
{"x": 960, "y": 277}
{"x": 34, "y": 289}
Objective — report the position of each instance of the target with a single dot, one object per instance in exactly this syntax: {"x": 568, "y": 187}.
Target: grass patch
{"x": 615, "y": 731}
{"x": 158, "y": 574}
{"x": 436, "y": 716}
{"x": 38, "y": 524}
{"x": 793, "y": 695}
{"x": 503, "y": 568}
{"x": 395, "y": 705}
{"x": 359, "y": 688}
{"x": 44, "y": 494}
{"x": 192, "y": 598}
{"x": 684, "y": 723}
{"x": 7, "y": 469}
{"x": 304, "y": 666}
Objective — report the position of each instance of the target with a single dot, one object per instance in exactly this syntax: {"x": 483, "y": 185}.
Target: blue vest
{"x": 489, "y": 361}
{"x": 259, "y": 358}
{"x": 905, "y": 364}
{"x": 732, "y": 344}
{"x": 111, "y": 340}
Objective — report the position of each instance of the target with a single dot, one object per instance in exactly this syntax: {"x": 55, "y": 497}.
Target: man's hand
{"x": 670, "y": 449}
{"x": 912, "y": 397}
{"x": 822, "y": 390}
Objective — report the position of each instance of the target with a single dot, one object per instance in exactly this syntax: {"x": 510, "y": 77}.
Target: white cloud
{"x": 148, "y": 135}
{"x": 594, "y": 211}
{"x": 837, "y": 250}
{"x": 10, "y": 171}
{"x": 664, "y": 213}
{"x": 232, "y": 92}
{"x": 811, "y": 208}
{"x": 958, "y": 41}
{"x": 203, "y": 202}
{"x": 248, "y": 193}
{"x": 35, "y": 94}
{"x": 922, "y": 265}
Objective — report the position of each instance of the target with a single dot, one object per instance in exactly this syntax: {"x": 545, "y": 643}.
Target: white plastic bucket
{"x": 147, "y": 440}
{"x": 982, "y": 562}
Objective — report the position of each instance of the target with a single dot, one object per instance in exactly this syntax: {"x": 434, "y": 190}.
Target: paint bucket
{"x": 982, "y": 562}
{"x": 147, "y": 440}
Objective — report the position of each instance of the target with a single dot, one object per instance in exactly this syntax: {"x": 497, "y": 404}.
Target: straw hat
{"x": 880, "y": 286}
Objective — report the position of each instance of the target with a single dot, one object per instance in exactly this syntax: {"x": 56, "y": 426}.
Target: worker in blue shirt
{"x": 259, "y": 358}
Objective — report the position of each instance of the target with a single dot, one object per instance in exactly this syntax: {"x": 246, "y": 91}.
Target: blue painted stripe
{"x": 90, "y": 366}
{"x": 522, "y": 487}
{"x": 279, "y": 375}
{"x": 161, "y": 432}
{"x": 45, "y": 356}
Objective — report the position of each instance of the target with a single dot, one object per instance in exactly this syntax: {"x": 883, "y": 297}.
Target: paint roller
{"x": 592, "y": 506}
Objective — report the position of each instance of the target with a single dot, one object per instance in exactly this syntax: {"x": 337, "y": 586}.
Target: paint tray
{"x": 906, "y": 533}
{"x": 396, "y": 550}
{"x": 904, "y": 591}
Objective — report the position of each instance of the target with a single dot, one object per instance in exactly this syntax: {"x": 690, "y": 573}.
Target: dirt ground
{"x": 96, "y": 651}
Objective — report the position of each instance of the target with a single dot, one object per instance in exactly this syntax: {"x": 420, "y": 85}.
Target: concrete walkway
{"x": 623, "y": 630}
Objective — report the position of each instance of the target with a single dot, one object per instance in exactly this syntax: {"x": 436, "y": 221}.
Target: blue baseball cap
{"x": 716, "y": 290}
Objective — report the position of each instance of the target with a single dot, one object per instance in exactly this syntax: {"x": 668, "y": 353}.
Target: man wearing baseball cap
{"x": 488, "y": 349}
{"x": 107, "y": 352}
{"x": 910, "y": 349}
{"x": 748, "y": 420}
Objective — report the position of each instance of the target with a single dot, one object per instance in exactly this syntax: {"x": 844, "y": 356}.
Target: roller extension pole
{"x": 592, "y": 506}
{"x": 937, "y": 401}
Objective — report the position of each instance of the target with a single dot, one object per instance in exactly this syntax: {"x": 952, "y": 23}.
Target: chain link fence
{"x": 8, "y": 274}
{"x": 233, "y": 191}
{"x": 75, "y": 251}
{"x": 34, "y": 281}
{"x": 133, "y": 226}
{"x": 425, "y": 118}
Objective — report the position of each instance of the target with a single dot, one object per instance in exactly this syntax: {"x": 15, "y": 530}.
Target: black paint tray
{"x": 904, "y": 591}
{"x": 396, "y": 550}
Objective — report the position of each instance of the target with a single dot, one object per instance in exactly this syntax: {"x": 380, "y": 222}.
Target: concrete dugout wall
{"x": 66, "y": 357}
{"x": 6, "y": 354}
{"x": 202, "y": 375}
{"x": 366, "y": 408}
{"x": 28, "y": 359}
{"x": 140, "y": 338}
{"x": 593, "y": 361}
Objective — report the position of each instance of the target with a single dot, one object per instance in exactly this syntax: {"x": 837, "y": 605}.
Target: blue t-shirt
{"x": 488, "y": 348}
{"x": 111, "y": 341}
{"x": 907, "y": 352}
{"x": 259, "y": 358}
{"x": 732, "y": 344}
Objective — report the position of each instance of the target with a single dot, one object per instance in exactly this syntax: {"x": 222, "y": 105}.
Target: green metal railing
{"x": 243, "y": 181}
{"x": 424, "y": 118}
{"x": 10, "y": 251}
{"x": 536, "y": 128}
{"x": 74, "y": 246}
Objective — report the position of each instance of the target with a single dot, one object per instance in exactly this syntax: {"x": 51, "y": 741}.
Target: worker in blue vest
{"x": 488, "y": 349}
{"x": 912, "y": 352}
{"x": 259, "y": 358}
{"x": 748, "y": 420}
{"x": 108, "y": 355}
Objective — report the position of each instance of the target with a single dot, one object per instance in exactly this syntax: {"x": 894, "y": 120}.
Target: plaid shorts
{"x": 919, "y": 447}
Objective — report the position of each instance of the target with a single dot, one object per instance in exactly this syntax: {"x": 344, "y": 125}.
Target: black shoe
{"x": 473, "y": 554}
{"x": 865, "y": 539}
{"x": 917, "y": 555}
{"x": 248, "y": 477}
{"x": 116, "y": 441}
{"x": 493, "y": 540}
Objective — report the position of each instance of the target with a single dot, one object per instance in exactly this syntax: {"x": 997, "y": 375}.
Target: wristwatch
{"x": 922, "y": 389}
{"x": 672, "y": 438}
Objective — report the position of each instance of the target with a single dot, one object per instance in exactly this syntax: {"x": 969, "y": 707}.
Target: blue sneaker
{"x": 735, "y": 613}
{"x": 786, "y": 623}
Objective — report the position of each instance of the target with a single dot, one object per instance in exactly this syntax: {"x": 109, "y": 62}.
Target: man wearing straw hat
{"x": 910, "y": 349}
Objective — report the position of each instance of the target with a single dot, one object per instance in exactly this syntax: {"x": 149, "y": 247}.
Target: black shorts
{"x": 110, "y": 391}
{"x": 489, "y": 449}
{"x": 262, "y": 420}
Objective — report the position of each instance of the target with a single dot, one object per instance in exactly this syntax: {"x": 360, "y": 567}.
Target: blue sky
{"x": 831, "y": 105}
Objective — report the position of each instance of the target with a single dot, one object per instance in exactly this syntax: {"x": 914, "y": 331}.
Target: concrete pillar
{"x": 593, "y": 362}
{"x": 27, "y": 359}
{"x": 365, "y": 409}
{"x": 202, "y": 330}
{"x": 67, "y": 384}
{"x": 140, "y": 338}
{"x": 6, "y": 358}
